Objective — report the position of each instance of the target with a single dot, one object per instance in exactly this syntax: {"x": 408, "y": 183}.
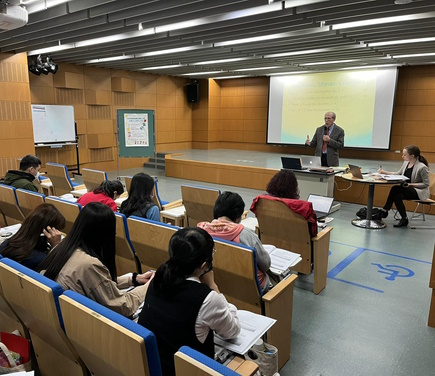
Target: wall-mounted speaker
{"x": 192, "y": 93}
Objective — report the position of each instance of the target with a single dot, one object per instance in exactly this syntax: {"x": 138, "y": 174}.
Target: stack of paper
{"x": 253, "y": 327}
{"x": 281, "y": 259}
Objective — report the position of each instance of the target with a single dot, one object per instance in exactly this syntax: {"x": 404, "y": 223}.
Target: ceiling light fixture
{"x": 201, "y": 73}
{"x": 164, "y": 67}
{"x": 210, "y": 62}
{"x": 383, "y": 20}
{"x": 254, "y": 69}
{"x": 414, "y": 55}
{"x": 402, "y": 41}
{"x": 330, "y": 62}
{"x": 105, "y": 59}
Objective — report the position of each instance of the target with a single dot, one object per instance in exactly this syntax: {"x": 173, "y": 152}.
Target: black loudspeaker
{"x": 192, "y": 92}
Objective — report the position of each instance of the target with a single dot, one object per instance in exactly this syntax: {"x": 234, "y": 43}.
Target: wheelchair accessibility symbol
{"x": 394, "y": 271}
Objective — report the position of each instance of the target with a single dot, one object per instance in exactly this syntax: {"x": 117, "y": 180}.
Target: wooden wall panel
{"x": 16, "y": 132}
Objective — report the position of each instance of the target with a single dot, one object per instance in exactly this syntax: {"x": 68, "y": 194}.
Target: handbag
{"x": 362, "y": 213}
{"x": 265, "y": 356}
{"x": 14, "y": 354}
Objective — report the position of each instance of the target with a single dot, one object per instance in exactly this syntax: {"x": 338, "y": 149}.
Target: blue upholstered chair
{"x": 108, "y": 343}
{"x": 9, "y": 207}
{"x": 62, "y": 183}
{"x": 191, "y": 362}
{"x": 126, "y": 259}
{"x": 34, "y": 298}
{"x": 29, "y": 200}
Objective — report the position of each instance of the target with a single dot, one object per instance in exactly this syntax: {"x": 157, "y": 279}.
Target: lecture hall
{"x": 209, "y": 97}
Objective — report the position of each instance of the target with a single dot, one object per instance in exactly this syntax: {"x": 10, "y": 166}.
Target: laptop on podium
{"x": 309, "y": 161}
{"x": 321, "y": 204}
{"x": 292, "y": 163}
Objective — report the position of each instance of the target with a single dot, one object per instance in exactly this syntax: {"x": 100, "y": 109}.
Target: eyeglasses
{"x": 328, "y": 118}
{"x": 210, "y": 259}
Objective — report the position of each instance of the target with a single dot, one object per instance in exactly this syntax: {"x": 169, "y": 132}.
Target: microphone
{"x": 325, "y": 130}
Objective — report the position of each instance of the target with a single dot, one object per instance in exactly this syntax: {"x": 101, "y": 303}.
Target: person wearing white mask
{"x": 24, "y": 178}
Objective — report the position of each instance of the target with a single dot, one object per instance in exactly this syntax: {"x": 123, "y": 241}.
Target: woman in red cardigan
{"x": 284, "y": 187}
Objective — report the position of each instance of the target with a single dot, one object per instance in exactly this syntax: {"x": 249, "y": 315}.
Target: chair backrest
{"x": 235, "y": 272}
{"x": 34, "y": 298}
{"x": 156, "y": 197}
{"x": 93, "y": 178}
{"x": 191, "y": 362}
{"x": 126, "y": 260}
{"x": 199, "y": 203}
{"x": 283, "y": 228}
{"x": 29, "y": 200}
{"x": 12, "y": 212}
{"x": 108, "y": 343}
{"x": 70, "y": 210}
{"x": 150, "y": 240}
{"x": 9, "y": 320}
{"x": 58, "y": 174}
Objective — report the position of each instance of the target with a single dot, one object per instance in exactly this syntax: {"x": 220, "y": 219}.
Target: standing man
{"x": 29, "y": 171}
{"x": 327, "y": 140}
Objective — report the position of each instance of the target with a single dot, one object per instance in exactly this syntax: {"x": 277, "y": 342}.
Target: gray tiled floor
{"x": 371, "y": 318}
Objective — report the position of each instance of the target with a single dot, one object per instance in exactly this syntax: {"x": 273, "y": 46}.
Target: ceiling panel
{"x": 139, "y": 34}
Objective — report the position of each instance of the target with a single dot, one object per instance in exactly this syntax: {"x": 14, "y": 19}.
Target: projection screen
{"x": 362, "y": 100}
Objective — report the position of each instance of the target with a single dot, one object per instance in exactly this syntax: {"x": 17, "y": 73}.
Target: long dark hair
{"x": 20, "y": 246}
{"x": 109, "y": 188}
{"x": 93, "y": 232}
{"x": 284, "y": 185}
{"x": 140, "y": 194}
{"x": 189, "y": 248}
{"x": 415, "y": 151}
{"x": 229, "y": 204}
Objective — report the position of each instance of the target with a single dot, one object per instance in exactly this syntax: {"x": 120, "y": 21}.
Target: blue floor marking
{"x": 345, "y": 263}
{"x": 358, "y": 285}
{"x": 385, "y": 253}
{"x": 332, "y": 274}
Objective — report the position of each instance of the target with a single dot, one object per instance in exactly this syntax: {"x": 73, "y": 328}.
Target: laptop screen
{"x": 321, "y": 203}
{"x": 291, "y": 163}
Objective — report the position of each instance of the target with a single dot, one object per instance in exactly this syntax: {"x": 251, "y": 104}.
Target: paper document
{"x": 253, "y": 327}
{"x": 281, "y": 259}
{"x": 392, "y": 177}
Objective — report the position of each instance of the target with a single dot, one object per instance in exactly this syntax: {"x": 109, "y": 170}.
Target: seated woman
{"x": 38, "y": 234}
{"x": 414, "y": 167}
{"x": 85, "y": 262}
{"x": 227, "y": 214}
{"x": 183, "y": 305}
{"x": 284, "y": 187}
{"x": 106, "y": 193}
{"x": 140, "y": 199}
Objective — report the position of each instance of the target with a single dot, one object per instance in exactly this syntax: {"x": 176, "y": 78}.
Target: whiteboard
{"x": 53, "y": 124}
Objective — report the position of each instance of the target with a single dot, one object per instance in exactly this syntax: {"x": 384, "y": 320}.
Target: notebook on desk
{"x": 321, "y": 204}
{"x": 292, "y": 163}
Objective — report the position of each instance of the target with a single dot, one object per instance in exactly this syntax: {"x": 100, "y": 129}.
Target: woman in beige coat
{"x": 85, "y": 262}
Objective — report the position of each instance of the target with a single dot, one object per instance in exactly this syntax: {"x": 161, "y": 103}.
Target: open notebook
{"x": 321, "y": 204}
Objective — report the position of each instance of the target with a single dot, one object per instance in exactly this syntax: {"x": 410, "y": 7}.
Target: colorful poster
{"x": 136, "y": 130}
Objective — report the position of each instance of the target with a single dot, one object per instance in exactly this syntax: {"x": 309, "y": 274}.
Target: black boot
{"x": 402, "y": 223}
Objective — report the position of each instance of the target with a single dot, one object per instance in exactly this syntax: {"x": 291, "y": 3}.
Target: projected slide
{"x": 362, "y": 99}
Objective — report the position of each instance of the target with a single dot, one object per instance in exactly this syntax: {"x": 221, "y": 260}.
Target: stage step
{"x": 158, "y": 161}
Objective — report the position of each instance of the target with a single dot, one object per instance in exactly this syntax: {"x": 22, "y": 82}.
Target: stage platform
{"x": 253, "y": 170}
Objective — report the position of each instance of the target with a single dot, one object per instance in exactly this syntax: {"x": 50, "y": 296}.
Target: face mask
{"x": 37, "y": 175}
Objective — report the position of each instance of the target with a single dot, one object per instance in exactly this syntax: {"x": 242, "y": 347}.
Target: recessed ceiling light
{"x": 400, "y": 2}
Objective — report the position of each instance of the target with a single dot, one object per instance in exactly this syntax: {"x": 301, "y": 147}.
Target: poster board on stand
{"x": 136, "y": 133}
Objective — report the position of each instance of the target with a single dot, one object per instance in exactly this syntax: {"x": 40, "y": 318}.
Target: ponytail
{"x": 415, "y": 151}
{"x": 189, "y": 248}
